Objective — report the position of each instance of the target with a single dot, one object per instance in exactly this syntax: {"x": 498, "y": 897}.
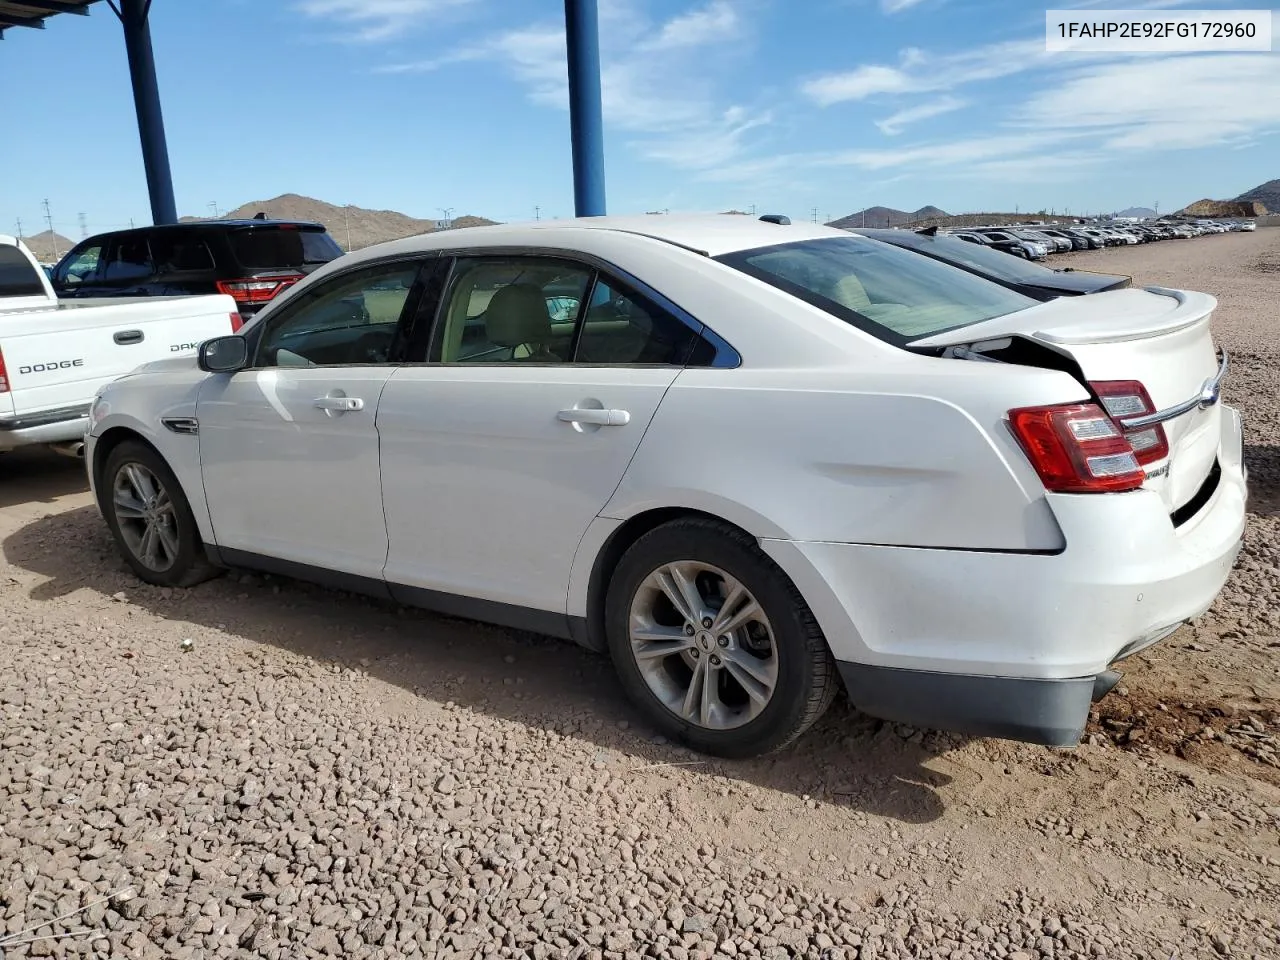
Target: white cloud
{"x": 1169, "y": 103}
{"x": 895, "y": 124}
{"x": 715, "y": 22}
{"x": 920, "y": 72}
{"x": 657, "y": 80}
{"x": 373, "y": 20}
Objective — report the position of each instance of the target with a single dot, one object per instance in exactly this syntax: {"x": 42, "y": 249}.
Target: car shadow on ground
{"x": 38, "y": 475}
{"x": 1262, "y": 460}
{"x": 847, "y": 759}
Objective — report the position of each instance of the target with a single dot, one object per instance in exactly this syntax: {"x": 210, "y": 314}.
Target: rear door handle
{"x": 126, "y": 337}
{"x": 340, "y": 404}
{"x": 603, "y": 418}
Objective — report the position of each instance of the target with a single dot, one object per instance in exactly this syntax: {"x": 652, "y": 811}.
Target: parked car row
{"x": 752, "y": 461}
{"x": 1037, "y": 241}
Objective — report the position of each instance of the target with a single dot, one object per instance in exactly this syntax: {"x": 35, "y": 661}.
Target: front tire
{"x": 714, "y": 643}
{"x": 150, "y": 518}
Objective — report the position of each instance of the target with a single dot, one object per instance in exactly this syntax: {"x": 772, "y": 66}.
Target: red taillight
{"x": 4, "y": 376}
{"x": 1076, "y": 448}
{"x": 237, "y": 322}
{"x": 1128, "y": 398}
{"x": 256, "y": 291}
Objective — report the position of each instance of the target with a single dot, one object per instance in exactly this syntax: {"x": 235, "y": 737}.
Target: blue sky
{"x": 416, "y": 105}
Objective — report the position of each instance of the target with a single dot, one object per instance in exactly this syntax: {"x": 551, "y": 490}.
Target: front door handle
{"x": 603, "y": 418}
{"x": 340, "y": 404}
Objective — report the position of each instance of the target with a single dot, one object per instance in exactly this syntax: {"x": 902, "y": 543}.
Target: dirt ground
{"x": 261, "y": 768}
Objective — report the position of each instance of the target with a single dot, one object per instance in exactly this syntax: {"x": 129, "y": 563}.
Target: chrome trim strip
{"x": 1210, "y": 393}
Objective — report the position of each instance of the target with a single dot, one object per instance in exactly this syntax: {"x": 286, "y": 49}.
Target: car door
{"x": 497, "y": 453}
{"x": 289, "y": 446}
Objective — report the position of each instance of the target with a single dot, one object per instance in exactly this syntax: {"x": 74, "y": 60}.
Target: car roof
{"x": 712, "y": 234}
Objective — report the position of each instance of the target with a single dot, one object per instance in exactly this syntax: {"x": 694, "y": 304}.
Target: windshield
{"x": 282, "y": 247}
{"x": 890, "y": 293}
{"x": 983, "y": 259}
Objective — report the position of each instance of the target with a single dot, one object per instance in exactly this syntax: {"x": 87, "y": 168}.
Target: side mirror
{"x": 223, "y": 355}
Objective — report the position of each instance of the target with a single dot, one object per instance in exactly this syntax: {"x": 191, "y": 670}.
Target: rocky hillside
{"x": 887, "y": 217}
{"x": 352, "y": 227}
{"x": 1225, "y": 208}
{"x": 48, "y": 247}
{"x": 1267, "y": 194}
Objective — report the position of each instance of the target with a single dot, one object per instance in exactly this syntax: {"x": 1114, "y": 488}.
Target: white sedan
{"x": 749, "y": 460}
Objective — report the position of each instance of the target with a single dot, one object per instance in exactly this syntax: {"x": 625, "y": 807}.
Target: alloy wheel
{"x": 145, "y": 515}
{"x": 703, "y": 645}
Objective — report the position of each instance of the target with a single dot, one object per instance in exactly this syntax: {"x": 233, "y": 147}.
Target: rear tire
{"x": 748, "y": 672}
{"x": 151, "y": 519}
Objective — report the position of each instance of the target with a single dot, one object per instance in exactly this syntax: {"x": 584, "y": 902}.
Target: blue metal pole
{"x": 586, "y": 122}
{"x": 146, "y": 101}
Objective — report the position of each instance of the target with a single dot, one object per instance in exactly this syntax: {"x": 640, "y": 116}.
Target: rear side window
{"x": 176, "y": 252}
{"x": 18, "y": 278}
{"x": 893, "y": 294}
{"x": 130, "y": 260}
{"x": 281, "y": 247}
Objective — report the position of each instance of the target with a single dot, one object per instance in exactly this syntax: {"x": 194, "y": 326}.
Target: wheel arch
{"x": 588, "y": 626}
{"x": 182, "y": 457}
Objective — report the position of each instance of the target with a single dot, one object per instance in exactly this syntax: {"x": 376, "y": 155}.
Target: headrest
{"x": 517, "y": 315}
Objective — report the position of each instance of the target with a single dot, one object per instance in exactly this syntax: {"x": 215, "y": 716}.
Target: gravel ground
{"x": 261, "y": 768}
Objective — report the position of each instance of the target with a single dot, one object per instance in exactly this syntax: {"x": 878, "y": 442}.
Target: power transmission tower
{"x": 213, "y": 205}
{"x": 53, "y": 237}
{"x": 84, "y": 230}
{"x": 19, "y": 228}
{"x": 815, "y": 214}
{"x": 447, "y": 222}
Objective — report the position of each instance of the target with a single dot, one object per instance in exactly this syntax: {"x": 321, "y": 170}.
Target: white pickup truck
{"x": 55, "y": 354}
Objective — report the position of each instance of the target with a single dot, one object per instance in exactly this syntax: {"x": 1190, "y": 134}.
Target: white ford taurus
{"x": 749, "y": 460}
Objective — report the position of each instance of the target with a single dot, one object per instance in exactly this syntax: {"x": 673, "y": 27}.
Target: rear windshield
{"x": 987, "y": 260}
{"x": 18, "y": 278}
{"x": 893, "y": 294}
{"x": 282, "y": 247}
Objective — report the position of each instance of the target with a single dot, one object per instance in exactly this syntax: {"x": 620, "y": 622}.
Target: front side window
{"x": 18, "y": 277}
{"x": 351, "y": 319}
{"x": 890, "y": 293}
{"x": 79, "y": 265}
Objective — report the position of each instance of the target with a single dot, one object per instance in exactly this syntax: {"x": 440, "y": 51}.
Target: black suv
{"x": 251, "y": 260}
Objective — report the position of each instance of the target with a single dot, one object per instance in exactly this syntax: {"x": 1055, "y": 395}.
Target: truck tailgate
{"x": 57, "y": 357}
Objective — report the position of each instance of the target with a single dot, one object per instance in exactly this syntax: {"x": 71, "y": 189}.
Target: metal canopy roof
{"x": 33, "y": 13}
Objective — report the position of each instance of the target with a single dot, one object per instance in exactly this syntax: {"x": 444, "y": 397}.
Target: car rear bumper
{"x": 932, "y": 636}
{"x": 45, "y": 426}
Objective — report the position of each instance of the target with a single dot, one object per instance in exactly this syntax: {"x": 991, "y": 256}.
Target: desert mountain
{"x": 1144, "y": 212}
{"x": 352, "y": 227}
{"x": 1267, "y": 194}
{"x": 48, "y": 247}
{"x": 886, "y": 217}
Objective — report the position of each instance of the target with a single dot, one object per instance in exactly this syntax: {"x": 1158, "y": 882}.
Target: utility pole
{"x": 815, "y": 214}
{"x": 537, "y": 213}
{"x": 213, "y": 205}
{"x": 346, "y": 221}
{"x": 53, "y": 237}
{"x": 84, "y": 230}
{"x": 447, "y": 211}
{"x": 19, "y": 228}
{"x": 1157, "y": 208}
{"x": 753, "y": 209}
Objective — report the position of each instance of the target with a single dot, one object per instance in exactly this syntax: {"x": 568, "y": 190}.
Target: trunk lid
{"x": 1157, "y": 336}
